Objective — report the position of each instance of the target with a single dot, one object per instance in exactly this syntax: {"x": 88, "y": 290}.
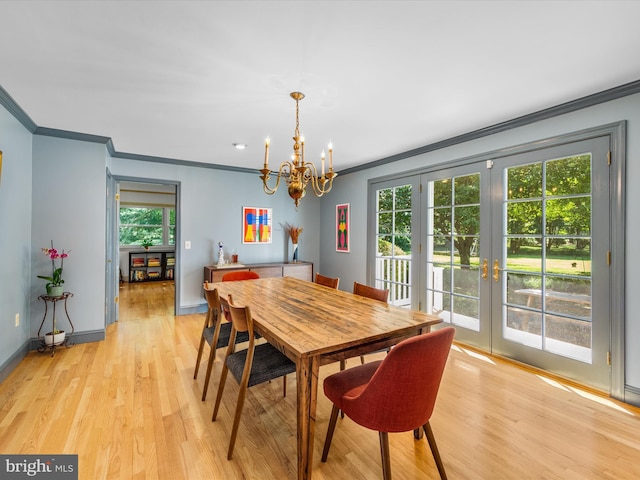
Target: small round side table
{"x": 47, "y": 299}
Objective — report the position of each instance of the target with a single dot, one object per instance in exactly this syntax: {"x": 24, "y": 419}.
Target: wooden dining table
{"x": 314, "y": 325}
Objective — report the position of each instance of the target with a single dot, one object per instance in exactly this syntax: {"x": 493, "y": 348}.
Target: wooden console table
{"x": 301, "y": 270}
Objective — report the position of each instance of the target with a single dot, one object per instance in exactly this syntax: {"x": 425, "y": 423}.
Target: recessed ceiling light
{"x": 240, "y": 146}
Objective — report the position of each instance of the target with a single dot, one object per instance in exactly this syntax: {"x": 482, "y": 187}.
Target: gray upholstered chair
{"x": 254, "y": 365}
{"x": 215, "y": 332}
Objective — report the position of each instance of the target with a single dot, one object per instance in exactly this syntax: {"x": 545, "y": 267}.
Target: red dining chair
{"x": 331, "y": 283}
{"x": 396, "y": 394}
{"x": 327, "y": 281}
{"x": 239, "y": 275}
{"x": 254, "y": 365}
{"x": 380, "y": 294}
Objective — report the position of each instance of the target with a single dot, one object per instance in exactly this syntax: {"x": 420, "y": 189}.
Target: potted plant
{"x": 55, "y": 281}
{"x": 146, "y": 243}
{"x": 54, "y": 338}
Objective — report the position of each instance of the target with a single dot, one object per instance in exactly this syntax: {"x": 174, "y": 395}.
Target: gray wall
{"x": 69, "y": 206}
{"x": 352, "y": 189}
{"x": 15, "y": 240}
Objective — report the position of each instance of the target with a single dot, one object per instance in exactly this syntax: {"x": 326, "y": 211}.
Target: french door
{"x": 549, "y": 264}
{"x": 512, "y": 251}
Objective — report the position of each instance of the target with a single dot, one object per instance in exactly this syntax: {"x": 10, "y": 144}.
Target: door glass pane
{"x": 524, "y": 253}
{"x": 568, "y": 216}
{"x": 466, "y": 280}
{"x": 466, "y": 189}
{"x": 547, "y": 299}
{"x": 570, "y": 256}
{"x": 385, "y": 222}
{"x": 569, "y": 176}
{"x": 441, "y": 221}
{"x": 441, "y": 192}
{"x": 524, "y": 218}
{"x": 524, "y": 181}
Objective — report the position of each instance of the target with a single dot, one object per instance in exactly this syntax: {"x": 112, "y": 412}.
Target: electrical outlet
{"x": 187, "y": 245}
{"x": 17, "y": 319}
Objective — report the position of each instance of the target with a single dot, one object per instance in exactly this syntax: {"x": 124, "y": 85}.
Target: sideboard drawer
{"x": 266, "y": 272}
{"x": 303, "y": 271}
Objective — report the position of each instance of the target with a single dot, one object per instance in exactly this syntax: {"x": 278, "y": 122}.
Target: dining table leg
{"x": 307, "y": 386}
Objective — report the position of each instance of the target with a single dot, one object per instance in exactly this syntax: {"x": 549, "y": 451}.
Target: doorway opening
{"x": 146, "y": 241}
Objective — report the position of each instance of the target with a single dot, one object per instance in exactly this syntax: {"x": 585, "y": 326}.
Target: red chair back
{"x": 239, "y": 275}
{"x": 327, "y": 281}
{"x": 402, "y": 393}
{"x": 379, "y": 294}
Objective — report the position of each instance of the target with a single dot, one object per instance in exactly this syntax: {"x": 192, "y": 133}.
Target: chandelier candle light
{"x": 297, "y": 173}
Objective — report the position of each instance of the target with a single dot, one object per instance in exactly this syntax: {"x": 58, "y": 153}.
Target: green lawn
{"x": 561, "y": 260}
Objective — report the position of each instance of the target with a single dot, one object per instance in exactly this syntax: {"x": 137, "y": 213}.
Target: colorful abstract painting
{"x": 257, "y": 224}
{"x": 342, "y": 228}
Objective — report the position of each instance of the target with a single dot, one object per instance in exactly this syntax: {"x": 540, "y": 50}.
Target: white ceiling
{"x": 185, "y": 80}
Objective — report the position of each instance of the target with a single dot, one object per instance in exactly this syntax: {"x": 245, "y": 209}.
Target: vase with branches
{"x": 294, "y": 233}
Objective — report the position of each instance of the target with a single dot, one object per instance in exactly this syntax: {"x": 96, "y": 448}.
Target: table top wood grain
{"x": 308, "y": 319}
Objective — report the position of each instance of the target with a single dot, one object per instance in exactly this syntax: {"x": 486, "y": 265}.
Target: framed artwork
{"x": 342, "y": 228}
{"x": 257, "y": 225}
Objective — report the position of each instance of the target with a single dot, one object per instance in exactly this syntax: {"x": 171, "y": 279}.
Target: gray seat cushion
{"x": 268, "y": 364}
{"x": 225, "y": 333}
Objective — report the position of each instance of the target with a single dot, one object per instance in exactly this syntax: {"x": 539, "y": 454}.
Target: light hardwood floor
{"x": 130, "y": 408}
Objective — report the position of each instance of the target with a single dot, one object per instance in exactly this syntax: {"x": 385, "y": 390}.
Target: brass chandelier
{"x": 297, "y": 173}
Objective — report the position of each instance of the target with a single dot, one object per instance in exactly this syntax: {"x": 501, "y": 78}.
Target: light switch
{"x": 187, "y": 245}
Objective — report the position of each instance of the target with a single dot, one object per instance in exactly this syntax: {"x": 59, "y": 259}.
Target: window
{"x": 157, "y": 224}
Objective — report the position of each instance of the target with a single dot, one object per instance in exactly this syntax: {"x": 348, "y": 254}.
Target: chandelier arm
{"x": 284, "y": 170}
{"x": 319, "y": 184}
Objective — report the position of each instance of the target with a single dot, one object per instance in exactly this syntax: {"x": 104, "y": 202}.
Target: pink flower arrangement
{"x": 55, "y": 280}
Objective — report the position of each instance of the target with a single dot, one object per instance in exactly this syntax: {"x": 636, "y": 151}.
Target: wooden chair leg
{"x": 434, "y": 450}
{"x": 200, "y": 348}
{"x": 205, "y": 388}
{"x": 361, "y": 359}
{"x": 284, "y": 386}
{"x": 343, "y": 364}
{"x": 332, "y": 427}
{"x": 223, "y": 380}
{"x": 242, "y": 394}
{"x": 384, "y": 453}
{"x": 212, "y": 356}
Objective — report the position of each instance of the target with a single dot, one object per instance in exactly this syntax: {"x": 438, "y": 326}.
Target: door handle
{"x": 485, "y": 269}
{"x": 496, "y": 271}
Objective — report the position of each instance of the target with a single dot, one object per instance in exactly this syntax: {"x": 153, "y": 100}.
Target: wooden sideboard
{"x": 301, "y": 270}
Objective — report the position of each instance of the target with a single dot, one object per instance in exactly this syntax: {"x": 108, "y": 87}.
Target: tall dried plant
{"x": 294, "y": 232}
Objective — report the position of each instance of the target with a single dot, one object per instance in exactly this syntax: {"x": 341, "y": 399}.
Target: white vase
{"x": 295, "y": 252}
{"x": 54, "y": 339}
